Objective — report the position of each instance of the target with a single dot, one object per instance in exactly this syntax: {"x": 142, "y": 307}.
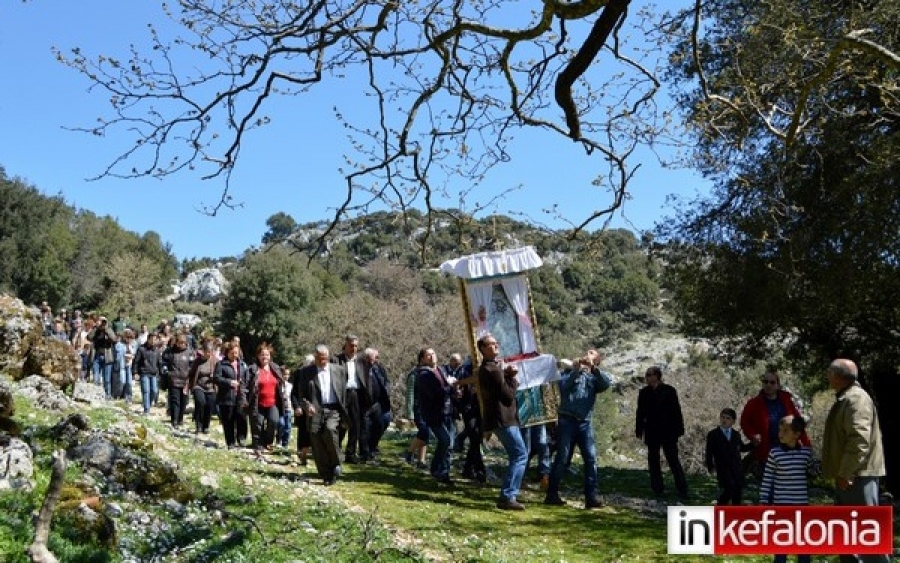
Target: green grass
{"x": 278, "y": 511}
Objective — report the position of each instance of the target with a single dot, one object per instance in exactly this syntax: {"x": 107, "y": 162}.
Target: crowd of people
{"x": 341, "y": 406}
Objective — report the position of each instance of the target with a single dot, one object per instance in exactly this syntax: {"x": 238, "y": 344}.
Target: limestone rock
{"x": 136, "y": 471}
{"x": 20, "y": 326}
{"x": 207, "y": 285}
{"x": 44, "y": 394}
{"x": 89, "y": 393}
{"x": 16, "y": 466}
{"x": 174, "y": 507}
{"x": 55, "y": 360}
{"x": 185, "y": 321}
{"x": 209, "y": 480}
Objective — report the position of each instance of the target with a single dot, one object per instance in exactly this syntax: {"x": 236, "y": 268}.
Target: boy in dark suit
{"x": 723, "y": 457}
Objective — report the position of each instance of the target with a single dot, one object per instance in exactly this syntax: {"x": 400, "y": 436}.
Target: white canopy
{"x": 493, "y": 263}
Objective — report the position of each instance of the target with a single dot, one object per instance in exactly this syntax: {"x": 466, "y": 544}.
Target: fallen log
{"x": 38, "y": 550}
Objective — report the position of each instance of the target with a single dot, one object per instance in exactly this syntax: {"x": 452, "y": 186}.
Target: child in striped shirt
{"x": 785, "y": 475}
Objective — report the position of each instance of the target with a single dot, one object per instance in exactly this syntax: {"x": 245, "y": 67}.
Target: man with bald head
{"x": 852, "y": 453}
{"x": 319, "y": 393}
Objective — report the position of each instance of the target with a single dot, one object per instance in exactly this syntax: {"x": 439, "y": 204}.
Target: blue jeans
{"x": 535, "y": 439}
{"x": 440, "y": 460}
{"x": 573, "y": 432}
{"x": 511, "y": 438}
{"x": 149, "y": 390}
{"x": 103, "y": 373}
{"x": 125, "y": 382}
{"x": 285, "y": 424}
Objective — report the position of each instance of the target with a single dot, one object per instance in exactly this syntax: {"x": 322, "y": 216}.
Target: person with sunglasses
{"x": 762, "y": 414}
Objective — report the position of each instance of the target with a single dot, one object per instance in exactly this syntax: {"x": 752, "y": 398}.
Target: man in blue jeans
{"x": 578, "y": 390}
{"x": 501, "y": 416}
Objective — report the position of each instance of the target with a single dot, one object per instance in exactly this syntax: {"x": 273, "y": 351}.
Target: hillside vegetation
{"x": 377, "y": 279}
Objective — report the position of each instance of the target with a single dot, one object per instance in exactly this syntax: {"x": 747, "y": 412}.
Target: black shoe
{"x": 504, "y": 504}
{"x": 328, "y": 482}
{"x": 481, "y": 477}
{"x": 350, "y": 458}
{"x": 593, "y": 503}
{"x": 445, "y": 481}
{"x": 554, "y": 501}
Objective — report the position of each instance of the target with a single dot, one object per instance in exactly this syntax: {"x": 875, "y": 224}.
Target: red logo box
{"x": 768, "y": 530}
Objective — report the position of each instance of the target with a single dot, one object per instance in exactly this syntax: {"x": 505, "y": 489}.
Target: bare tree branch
{"x": 449, "y": 84}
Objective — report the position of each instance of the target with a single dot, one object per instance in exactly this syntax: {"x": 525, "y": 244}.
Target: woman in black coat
{"x": 177, "y": 361}
{"x": 231, "y": 397}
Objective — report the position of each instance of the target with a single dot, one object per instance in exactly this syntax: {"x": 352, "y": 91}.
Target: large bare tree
{"x": 447, "y": 84}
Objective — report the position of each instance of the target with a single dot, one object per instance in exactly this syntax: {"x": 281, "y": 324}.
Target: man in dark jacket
{"x": 147, "y": 364}
{"x": 377, "y": 417}
{"x": 319, "y": 392}
{"x": 501, "y": 416}
{"x": 357, "y": 400}
{"x": 660, "y": 423}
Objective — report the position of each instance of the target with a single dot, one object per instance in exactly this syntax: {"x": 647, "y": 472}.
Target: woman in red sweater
{"x": 762, "y": 414}
{"x": 266, "y": 396}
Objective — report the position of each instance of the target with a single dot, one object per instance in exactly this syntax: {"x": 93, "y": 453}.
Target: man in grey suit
{"x": 320, "y": 394}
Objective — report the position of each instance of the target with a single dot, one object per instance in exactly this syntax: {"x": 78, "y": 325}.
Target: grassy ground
{"x": 273, "y": 509}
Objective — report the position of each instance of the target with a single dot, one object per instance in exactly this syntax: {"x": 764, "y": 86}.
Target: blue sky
{"x": 290, "y": 165}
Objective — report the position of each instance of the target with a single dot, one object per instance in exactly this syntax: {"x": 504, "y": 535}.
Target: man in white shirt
{"x": 320, "y": 395}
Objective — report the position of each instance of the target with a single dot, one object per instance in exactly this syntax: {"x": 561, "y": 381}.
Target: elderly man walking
{"x": 852, "y": 453}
